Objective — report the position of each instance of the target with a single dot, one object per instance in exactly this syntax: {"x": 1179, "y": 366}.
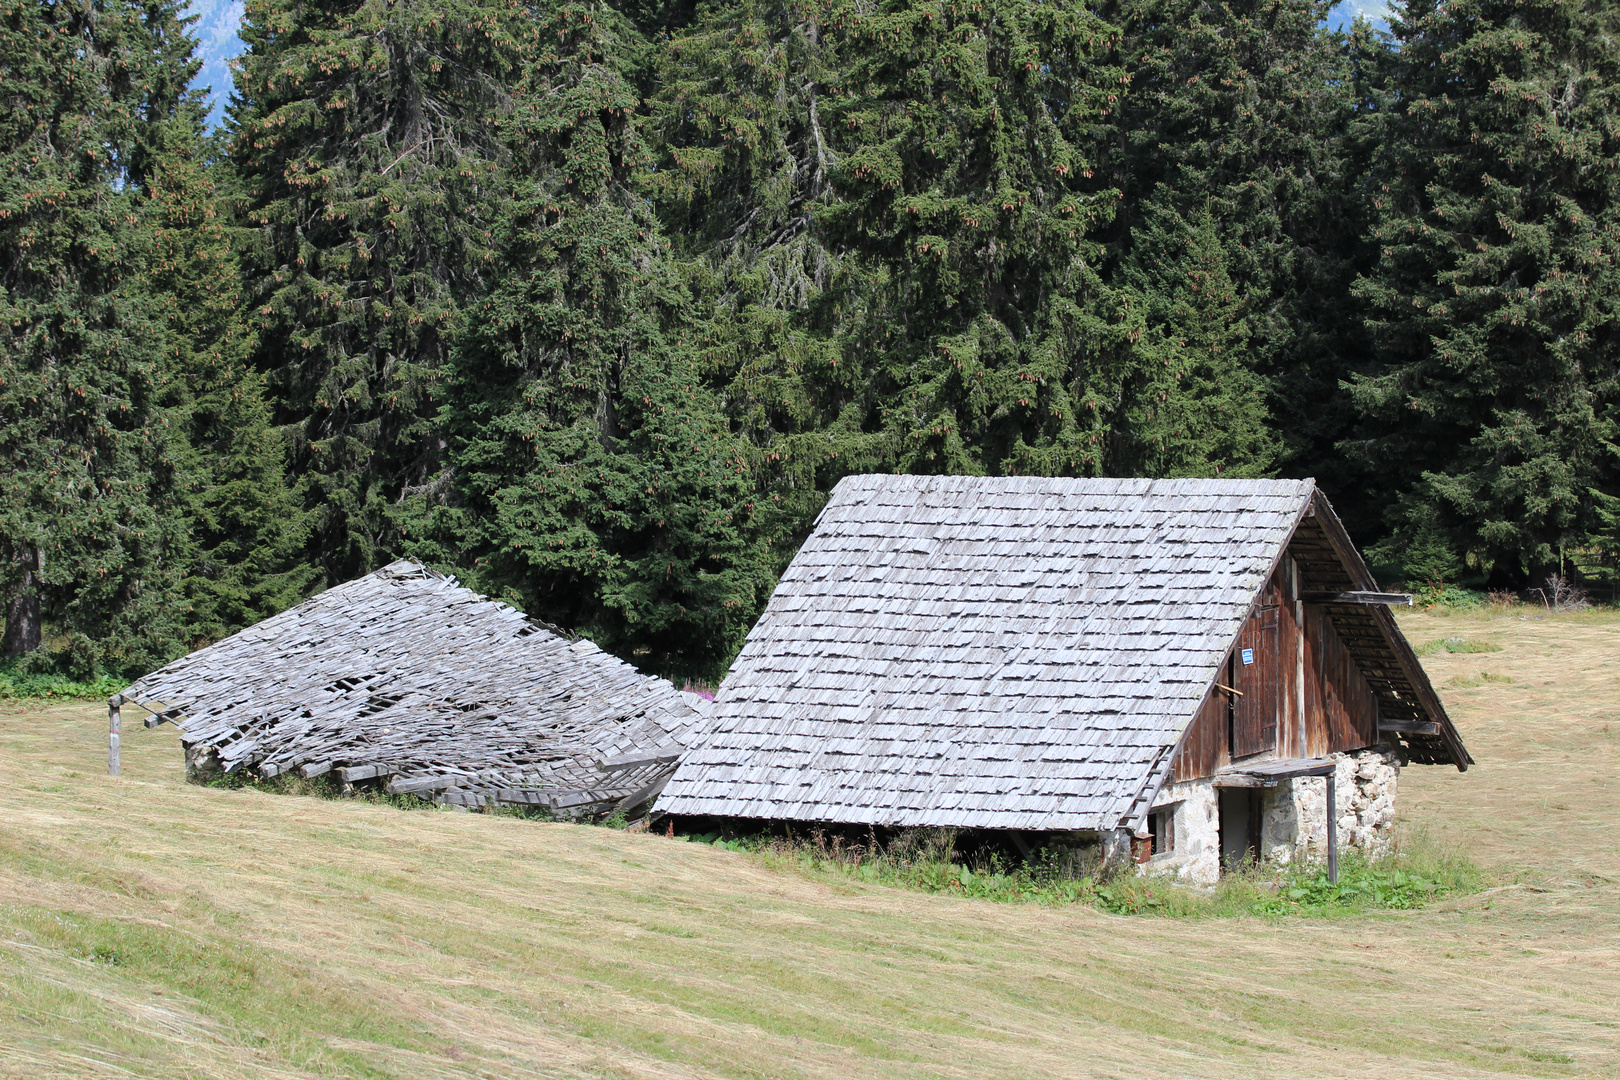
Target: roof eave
{"x": 1411, "y": 667}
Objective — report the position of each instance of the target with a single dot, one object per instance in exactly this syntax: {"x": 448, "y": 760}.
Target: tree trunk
{"x": 22, "y": 612}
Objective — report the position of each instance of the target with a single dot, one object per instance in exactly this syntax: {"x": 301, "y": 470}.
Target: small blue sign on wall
{"x": 1248, "y": 656}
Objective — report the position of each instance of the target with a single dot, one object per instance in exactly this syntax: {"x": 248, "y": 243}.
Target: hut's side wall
{"x": 1345, "y": 707}
{"x": 1340, "y": 711}
{"x": 1207, "y": 746}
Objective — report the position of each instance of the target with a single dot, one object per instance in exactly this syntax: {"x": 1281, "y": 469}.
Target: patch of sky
{"x": 217, "y": 45}
{"x": 1342, "y": 14}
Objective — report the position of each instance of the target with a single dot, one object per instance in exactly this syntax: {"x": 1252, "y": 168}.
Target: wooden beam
{"x": 1333, "y": 829}
{"x": 363, "y": 772}
{"x": 115, "y": 735}
{"x": 636, "y": 761}
{"x": 1411, "y": 727}
{"x": 1366, "y": 599}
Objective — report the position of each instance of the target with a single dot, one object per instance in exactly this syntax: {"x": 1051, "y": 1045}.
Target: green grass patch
{"x": 292, "y": 1012}
{"x": 1403, "y": 881}
{"x": 1467, "y": 682}
{"x": 1456, "y": 645}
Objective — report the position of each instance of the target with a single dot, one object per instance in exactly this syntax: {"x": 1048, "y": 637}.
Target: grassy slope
{"x": 150, "y": 928}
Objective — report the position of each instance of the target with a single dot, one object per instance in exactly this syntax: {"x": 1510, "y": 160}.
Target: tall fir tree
{"x": 246, "y": 525}
{"x": 364, "y": 143}
{"x": 1235, "y": 130}
{"x": 598, "y": 484}
{"x": 894, "y": 214}
{"x": 1199, "y": 407}
{"x": 746, "y": 163}
{"x": 91, "y": 455}
{"x": 1495, "y": 304}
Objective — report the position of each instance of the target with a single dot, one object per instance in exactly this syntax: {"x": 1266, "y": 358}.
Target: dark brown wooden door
{"x": 1255, "y": 675}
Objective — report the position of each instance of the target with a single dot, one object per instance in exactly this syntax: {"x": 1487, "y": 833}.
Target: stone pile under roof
{"x": 987, "y": 652}
{"x": 407, "y": 678}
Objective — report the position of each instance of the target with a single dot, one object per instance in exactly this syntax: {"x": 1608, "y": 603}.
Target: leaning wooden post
{"x": 1333, "y": 828}
{"x": 114, "y": 733}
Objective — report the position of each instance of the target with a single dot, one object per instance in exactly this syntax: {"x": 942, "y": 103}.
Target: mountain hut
{"x": 1193, "y": 673}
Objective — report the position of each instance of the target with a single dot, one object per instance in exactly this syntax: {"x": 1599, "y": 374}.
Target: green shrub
{"x": 40, "y": 679}
{"x": 1449, "y": 597}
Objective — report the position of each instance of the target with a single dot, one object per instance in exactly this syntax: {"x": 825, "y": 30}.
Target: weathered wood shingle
{"x": 986, "y": 652}
{"x": 447, "y": 693}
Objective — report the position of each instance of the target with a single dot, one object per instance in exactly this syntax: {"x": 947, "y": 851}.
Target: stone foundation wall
{"x": 1366, "y": 783}
{"x": 1293, "y": 817}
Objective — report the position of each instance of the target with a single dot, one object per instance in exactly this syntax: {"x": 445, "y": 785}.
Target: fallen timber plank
{"x": 311, "y": 771}
{"x": 417, "y": 784}
{"x": 363, "y": 772}
{"x": 645, "y": 794}
{"x": 635, "y": 761}
{"x": 1412, "y": 727}
{"x": 1358, "y": 598}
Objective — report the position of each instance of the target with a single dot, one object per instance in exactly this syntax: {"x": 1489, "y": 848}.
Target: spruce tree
{"x": 363, "y": 139}
{"x": 1234, "y": 129}
{"x": 92, "y": 488}
{"x": 746, "y": 165}
{"x": 245, "y": 523}
{"x": 1495, "y": 304}
{"x": 897, "y": 211}
{"x": 598, "y": 484}
{"x": 1198, "y": 407}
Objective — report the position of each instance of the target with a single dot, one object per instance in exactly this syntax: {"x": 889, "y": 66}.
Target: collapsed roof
{"x": 406, "y": 677}
{"x": 1005, "y": 652}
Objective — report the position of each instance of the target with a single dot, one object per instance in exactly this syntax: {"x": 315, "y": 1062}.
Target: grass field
{"x": 150, "y": 928}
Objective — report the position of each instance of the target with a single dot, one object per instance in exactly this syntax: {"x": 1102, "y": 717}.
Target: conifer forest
{"x": 591, "y": 303}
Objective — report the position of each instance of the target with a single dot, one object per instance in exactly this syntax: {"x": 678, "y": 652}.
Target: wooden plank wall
{"x": 1341, "y": 712}
{"x": 1346, "y": 708}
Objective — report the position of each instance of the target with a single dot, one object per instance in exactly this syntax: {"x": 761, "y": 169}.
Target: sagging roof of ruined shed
{"x": 404, "y": 674}
{"x": 978, "y": 652}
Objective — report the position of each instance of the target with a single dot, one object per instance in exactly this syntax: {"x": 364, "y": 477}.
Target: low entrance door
{"x": 1240, "y": 826}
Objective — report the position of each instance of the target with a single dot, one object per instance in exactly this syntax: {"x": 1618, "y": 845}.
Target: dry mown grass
{"x": 149, "y": 928}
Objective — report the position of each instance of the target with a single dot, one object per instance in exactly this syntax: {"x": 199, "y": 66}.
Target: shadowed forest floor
{"x": 151, "y": 928}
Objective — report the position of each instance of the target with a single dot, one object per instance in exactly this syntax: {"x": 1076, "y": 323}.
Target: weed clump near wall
{"x": 979, "y": 866}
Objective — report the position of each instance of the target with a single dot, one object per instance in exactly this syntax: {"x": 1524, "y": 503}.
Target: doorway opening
{"x": 1240, "y": 827}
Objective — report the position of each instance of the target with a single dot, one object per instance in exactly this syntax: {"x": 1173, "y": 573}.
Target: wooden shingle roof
{"x": 986, "y": 652}
{"x": 405, "y": 675}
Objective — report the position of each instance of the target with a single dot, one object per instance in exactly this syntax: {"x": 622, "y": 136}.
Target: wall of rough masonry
{"x": 1196, "y": 856}
{"x": 1293, "y": 817}
{"x": 1366, "y": 782}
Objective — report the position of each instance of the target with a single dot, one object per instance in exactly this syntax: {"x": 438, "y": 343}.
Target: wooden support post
{"x": 1333, "y": 828}
{"x": 115, "y": 726}
{"x": 1301, "y": 730}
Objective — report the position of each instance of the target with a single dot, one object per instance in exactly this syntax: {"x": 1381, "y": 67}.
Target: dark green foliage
{"x": 363, "y": 141}
{"x": 593, "y": 303}
{"x": 599, "y": 486}
{"x": 1198, "y": 404}
{"x": 1494, "y": 303}
{"x": 1231, "y": 140}
{"x": 90, "y": 527}
{"x": 966, "y": 201}
{"x": 245, "y": 524}
{"x": 888, "y": 210}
